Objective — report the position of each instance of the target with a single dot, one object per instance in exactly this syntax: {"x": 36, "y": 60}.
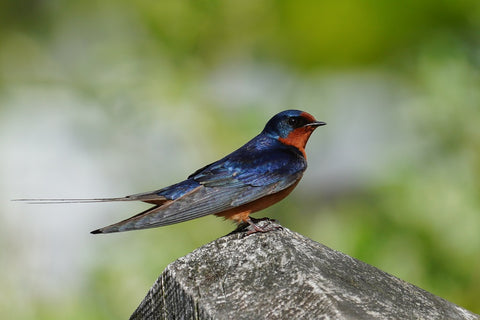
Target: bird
{"x": 257, "y": 175}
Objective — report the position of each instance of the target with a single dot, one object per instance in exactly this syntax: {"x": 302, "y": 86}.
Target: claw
{"x": 256, "y": 228}
{"x": 250, "y": 226}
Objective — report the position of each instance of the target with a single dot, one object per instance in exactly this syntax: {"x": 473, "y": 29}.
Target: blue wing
{"x": 260, "y": 162}
{"x": 245, "y": 175}
{"x": 263, "y": 172}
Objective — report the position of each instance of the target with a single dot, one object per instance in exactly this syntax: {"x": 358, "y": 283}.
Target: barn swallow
{"x": 257, "y": 175}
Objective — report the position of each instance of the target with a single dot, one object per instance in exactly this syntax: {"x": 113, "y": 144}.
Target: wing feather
{"x": 197, "y": 203}
{"x": 237, "y": 179}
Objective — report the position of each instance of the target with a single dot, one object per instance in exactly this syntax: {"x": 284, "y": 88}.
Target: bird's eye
{"x": 293, "y": 122}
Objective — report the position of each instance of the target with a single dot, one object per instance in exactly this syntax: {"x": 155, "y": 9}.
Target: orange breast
{"x": 241, "y": 213}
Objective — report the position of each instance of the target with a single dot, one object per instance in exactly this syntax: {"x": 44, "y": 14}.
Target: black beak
{"x": 315, "y": 124}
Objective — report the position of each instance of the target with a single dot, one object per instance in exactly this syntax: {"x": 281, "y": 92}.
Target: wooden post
{"x": 284, "y": 275}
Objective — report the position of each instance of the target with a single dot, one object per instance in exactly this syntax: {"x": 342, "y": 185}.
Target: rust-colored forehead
{"x": 308, "y": 116}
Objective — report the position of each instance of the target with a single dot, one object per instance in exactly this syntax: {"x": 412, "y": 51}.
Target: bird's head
{"x": 292, "y": 127}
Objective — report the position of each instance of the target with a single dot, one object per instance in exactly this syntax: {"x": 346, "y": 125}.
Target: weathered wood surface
{"x": 284, "y": 275}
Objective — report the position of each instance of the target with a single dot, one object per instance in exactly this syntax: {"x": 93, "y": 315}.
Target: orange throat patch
{"x": 298, "y": 138}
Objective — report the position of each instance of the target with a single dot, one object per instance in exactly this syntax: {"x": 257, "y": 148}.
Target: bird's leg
{"x": 256, "y": 228}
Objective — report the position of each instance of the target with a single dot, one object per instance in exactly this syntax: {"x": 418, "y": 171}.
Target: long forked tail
{"x": 57, "y": 201}
{"x": 149, "y": 197}
{"x": 153, "y": 197}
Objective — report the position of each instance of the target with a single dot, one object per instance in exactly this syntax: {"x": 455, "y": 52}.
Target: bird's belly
{"x": 241, "y": 213}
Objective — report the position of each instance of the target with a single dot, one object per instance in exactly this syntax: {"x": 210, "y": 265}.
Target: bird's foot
{"x": 252, "y": 225}
{"x": 267, "y": 225}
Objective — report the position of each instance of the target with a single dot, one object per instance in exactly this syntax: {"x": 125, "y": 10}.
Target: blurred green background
{"x": 108, "y": 98}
